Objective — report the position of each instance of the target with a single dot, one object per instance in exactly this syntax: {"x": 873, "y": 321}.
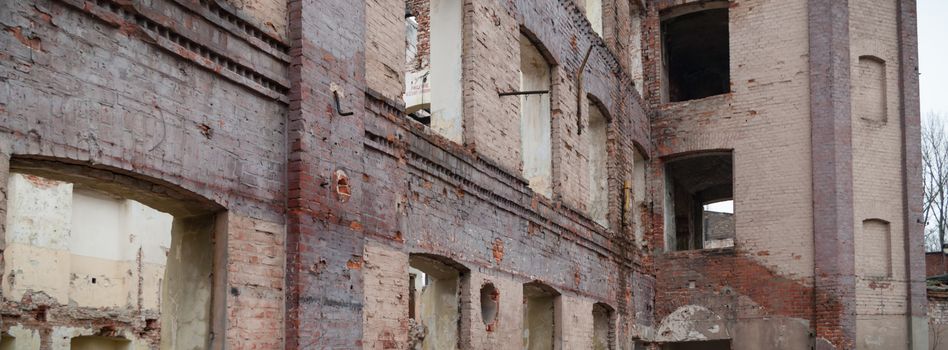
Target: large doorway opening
{"x": 120, "y": 261}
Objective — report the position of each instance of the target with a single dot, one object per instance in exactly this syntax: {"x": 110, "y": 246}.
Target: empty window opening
{"x": 433, "y": 94}
{"x": 639, "y": 207}
{"x": 603, "y": 327}
{"x": 698, "y": 190}
{"x": 598, "y": 166}
{"x": 535, "y": 127}
{"x": 490, "y": 304}
{"x": 699, "y": 345}
{"x": 718, "y": 224}
{"x": 874, "y": 249}
{"x": 696, "y": 51}
{"x": 99, "y": 343}
{"x": 91, "y": 249}
{"x": 433, "y": 301}
{"x": 539, "y": 316}
{"x": 639, "y": 345}
{"x": 594, "y": 15}
{"x": 869, "y": 89}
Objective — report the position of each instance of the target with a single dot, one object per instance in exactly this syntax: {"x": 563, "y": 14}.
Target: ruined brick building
{"x": 460, "y": 174}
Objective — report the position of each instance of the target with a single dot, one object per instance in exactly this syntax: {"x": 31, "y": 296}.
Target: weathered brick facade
{"x": 283, "y": 124}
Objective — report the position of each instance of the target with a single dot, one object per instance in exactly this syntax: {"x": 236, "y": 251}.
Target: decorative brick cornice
{"x": 490, "y": 183}
{"x": 154, "y": 28}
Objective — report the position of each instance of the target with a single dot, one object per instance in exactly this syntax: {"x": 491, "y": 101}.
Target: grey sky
{"x": 933, "y": 54}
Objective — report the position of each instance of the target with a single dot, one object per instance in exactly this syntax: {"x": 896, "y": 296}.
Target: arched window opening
{"x": 604, "y": 333}
{"x": 539, "y": 316}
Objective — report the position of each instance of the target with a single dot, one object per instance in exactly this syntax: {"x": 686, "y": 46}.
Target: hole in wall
{"x": 490, "y": 304}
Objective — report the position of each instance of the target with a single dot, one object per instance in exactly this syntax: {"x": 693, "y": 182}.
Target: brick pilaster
{"x": 831, "y": 133}
{"x": 912, "y": 169}
{"x": 324, "y": 168}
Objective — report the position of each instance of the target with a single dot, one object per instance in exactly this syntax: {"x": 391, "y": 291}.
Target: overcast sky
{"x": 933, "y": 55}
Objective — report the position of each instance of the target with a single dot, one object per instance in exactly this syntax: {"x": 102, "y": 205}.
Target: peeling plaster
{"x": 692, "y": 322}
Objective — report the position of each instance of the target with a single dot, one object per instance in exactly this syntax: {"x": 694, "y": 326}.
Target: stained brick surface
{"x": 232, "y": 105}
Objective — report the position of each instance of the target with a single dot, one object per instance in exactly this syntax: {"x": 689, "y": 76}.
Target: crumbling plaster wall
{"x": 81, "y": 247}
{"x": 86, "y": 85}
{"x": 764, "y": 120}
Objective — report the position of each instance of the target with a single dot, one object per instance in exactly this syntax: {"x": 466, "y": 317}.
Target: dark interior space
{"x": 696, "y": 54}
{"x": 693, "y": 182}
{"x": 699, "y": 345}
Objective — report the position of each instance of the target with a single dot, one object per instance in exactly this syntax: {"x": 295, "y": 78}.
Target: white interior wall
{"x": 108, "y": 234}
{"x": 36, "y": 258}
{"x": 82, "y": 247}
{"x": 446, "y": 37}
{"x": 594, "y": 14}
{"x": 535, "y": 127}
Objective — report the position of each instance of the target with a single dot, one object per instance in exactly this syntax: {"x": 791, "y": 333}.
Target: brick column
{"x": 834, "y": 254}
{"x": 324, "y": 169}
{"x": 912, "y": 178}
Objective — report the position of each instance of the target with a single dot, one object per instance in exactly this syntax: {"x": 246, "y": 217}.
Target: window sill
{"x": 710, "y": 252}
{"x": 708, "y": 100}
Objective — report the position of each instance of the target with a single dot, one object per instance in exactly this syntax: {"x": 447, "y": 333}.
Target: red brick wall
{"x": 935, "y": 264}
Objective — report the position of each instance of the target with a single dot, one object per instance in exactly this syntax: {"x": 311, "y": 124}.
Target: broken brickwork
{"x": 281, "y": 126}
